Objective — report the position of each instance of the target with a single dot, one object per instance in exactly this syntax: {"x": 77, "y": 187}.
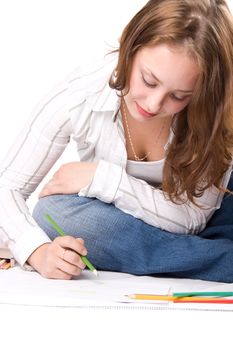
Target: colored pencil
{"x": 175, "y": 299}
{"x": 203, "y": 300}
{"x": 151, "y": 297}
{"x": 207, "y": 294}
{"x": 2, "y": 261}
{"x": 62, "y": 233}
{"x": 7, "y": 265}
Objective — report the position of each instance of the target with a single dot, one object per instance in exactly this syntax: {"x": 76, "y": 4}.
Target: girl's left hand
{"x": 70, "y": 178}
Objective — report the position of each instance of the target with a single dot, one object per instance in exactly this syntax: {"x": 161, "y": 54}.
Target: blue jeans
{"x": 117, "y": 241}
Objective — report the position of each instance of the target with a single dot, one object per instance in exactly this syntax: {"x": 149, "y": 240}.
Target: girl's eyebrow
{"x": 189, "y": 92}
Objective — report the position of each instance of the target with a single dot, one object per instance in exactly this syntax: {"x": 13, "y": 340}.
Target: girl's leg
{"x": 117, "y": 241}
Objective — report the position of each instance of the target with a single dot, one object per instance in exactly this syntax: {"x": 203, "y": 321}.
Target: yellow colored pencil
{"x": 151, "y": 297}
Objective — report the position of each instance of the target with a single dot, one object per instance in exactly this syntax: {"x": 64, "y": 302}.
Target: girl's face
{"x": 162, "y": 81}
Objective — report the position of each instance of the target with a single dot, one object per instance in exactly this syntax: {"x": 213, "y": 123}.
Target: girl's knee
{"x": 78, "y": 216}
{"x": 43, "y": 207}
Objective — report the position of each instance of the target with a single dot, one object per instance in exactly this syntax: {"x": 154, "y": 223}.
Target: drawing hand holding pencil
{"x": 216, "y": 297}
{"x": 62, "y": 233}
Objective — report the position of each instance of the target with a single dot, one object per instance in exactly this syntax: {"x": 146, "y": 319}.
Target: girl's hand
{"x": 70, "y": 178}
{"x": 59, "y": 259}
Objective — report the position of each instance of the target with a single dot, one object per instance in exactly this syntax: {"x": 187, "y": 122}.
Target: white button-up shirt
{"x": 84, "y": 107}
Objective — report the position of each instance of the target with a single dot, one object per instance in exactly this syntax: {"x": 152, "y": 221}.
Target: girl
{"x": 153, "y": 123}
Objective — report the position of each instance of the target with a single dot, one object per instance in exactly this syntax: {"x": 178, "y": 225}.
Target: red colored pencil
{"x": 206, "y": 300}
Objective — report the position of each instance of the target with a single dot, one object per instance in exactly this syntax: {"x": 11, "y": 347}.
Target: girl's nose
{"x": 155, "y": 101}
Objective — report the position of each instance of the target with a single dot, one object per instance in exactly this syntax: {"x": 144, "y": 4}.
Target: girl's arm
{"x": 112, "y": 184}
{"x": 65, "y": 111}
{"x": 36, "y": 149}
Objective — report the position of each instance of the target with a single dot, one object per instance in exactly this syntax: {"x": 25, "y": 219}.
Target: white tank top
{"x": 150, "y": 172}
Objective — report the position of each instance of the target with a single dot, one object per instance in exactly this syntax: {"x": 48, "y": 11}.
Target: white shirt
{"x": 85, "y": 107}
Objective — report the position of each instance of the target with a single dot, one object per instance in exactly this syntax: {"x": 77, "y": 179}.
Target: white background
{"x": 40, "y": 42}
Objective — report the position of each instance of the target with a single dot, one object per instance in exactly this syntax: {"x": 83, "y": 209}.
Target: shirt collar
{"x": 107, "y": 101}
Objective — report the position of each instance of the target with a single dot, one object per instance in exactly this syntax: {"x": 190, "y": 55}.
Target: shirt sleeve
{"x": 112, "y": 184}
{"x": 38, "y": 146}
{"x": 64, "y": 112}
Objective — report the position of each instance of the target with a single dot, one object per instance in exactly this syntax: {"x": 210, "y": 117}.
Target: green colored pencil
{"x": 62, "y": 233}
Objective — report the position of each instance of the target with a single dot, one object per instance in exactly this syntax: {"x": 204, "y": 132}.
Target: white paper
{"x": 109, "y": 289}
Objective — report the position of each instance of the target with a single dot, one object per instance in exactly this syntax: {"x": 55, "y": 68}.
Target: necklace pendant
{"x": 124, "y": 114}
{"x": 140, "y": 159}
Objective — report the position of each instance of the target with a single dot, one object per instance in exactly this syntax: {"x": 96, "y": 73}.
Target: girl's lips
{"x": 143, "y": 112}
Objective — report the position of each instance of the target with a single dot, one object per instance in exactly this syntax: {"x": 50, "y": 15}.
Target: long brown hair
{"x": 202, "y": 148}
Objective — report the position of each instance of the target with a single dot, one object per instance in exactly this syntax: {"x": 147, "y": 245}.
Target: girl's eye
{"x": 148, "y": 84}
{"x": 176, "y": 98}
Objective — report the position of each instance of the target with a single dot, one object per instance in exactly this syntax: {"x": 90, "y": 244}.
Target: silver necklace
{"x": 130, "y": 138}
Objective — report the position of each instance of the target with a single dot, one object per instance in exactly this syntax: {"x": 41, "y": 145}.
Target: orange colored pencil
{"x": 214, "y": 300}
